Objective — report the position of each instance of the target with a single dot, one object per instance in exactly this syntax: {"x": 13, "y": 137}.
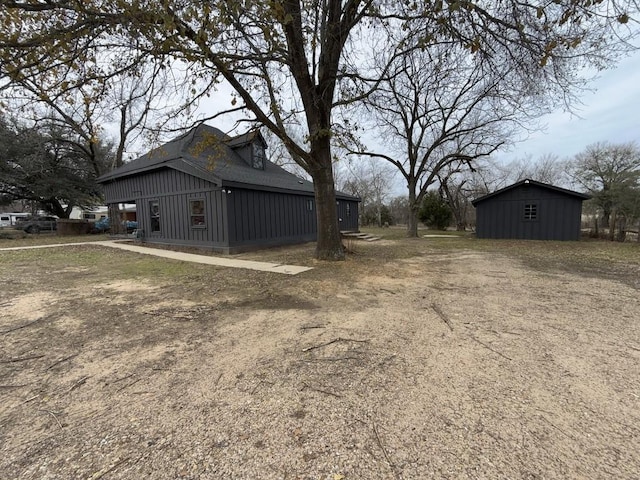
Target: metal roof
{"x": 528, "y": 181}
{"x": 206, "y": 152}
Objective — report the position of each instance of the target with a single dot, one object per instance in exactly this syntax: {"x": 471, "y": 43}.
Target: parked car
{"x": 9, "y": 219}
{"x": 103, "y": 225}
{"x": 37, "y": 224}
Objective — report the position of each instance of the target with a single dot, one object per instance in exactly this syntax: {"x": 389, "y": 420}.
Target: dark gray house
{"x": 530, "y": 210}
{"x": 206, "y": 189}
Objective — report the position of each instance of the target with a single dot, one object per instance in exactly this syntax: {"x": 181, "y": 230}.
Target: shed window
{"x": 348, "y": 209}
{"x": 196, "y": 211}
{"x": 154, "y": 215}
{"x": 530, "y": 211}
{"x": 310, "y": 205}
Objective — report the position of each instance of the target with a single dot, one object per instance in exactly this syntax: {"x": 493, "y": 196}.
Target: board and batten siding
{"x": 347, "y": 214}
{"x": 502, "y": 216}
{"x": 269, "y": 218}
{"x": 173, "y": 191}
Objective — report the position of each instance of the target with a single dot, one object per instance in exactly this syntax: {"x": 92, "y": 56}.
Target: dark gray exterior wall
{"x": 262, "y": 218}
{"x": 173, "y": 190}
{"x": 347, "y": 214}
{"x": 502, "y": 216}
{"x": 237, "y": 219}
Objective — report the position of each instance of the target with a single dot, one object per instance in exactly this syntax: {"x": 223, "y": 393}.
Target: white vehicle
{"x": 10, "y": 219}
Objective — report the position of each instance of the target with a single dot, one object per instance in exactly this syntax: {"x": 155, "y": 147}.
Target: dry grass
{"x": 414, "y": 358}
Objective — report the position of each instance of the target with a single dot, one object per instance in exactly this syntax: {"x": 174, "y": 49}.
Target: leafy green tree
{"x": 434, "y": 212}
{"x": 43, "y": 165}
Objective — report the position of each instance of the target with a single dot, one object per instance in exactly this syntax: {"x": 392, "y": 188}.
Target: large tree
{"x": 291, "y": 62}
{"x": 47, "y": 167}
{"x": 611, "y": 173}
{"x": 456, "y": 99}
{"x": 90, "y": 114}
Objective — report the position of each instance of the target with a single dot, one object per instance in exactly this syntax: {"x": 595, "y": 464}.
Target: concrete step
{"x": 360, "y": 236}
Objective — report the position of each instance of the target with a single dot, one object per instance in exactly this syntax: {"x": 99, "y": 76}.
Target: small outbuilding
{"x": 530, "y": 210}
{"x": 208, "y": 190}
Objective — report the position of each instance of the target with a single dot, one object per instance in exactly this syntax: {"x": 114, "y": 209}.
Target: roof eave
{"x": 527, "y": 181}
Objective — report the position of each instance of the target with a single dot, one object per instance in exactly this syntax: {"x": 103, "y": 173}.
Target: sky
{"x": 610, "y": 111}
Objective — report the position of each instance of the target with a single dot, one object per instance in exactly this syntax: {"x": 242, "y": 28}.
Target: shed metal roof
{"x": 528, "y": 181}
{"x": 206, "y": 152}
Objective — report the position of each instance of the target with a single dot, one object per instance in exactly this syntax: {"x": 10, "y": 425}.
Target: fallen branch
{"x": 388, "y": 291}
{"x": 339, "y": 339}
{"x": 128, "y": 385}
{"x": 53, "y": 415}
{"x": 30, "y": 399}
{"x": 23, "y": 326}
{"x": 331, "y": 359}
{"x": 101, "y": 473}
{"x": 384, "y": 451}
{"x": 21, "y": 359}
{"x": 261, "y": 382}
{"x": 441, "y": 314}
{"x": 319, "y": 390}
{"x": 60, "y": 361}
{"x": 310, "y": 327}
{"x": 556, "y": 427}
{"x": 123, "y": 378}
{"x": 15, "y": 386}
{"x": 489, "y": 348}
{"x": 78, "y": 383}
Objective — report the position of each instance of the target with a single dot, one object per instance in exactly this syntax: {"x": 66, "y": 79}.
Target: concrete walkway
{"x": 184, "y": 257}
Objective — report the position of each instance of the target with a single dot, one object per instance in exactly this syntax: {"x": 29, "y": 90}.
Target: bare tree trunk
{"x": 622, "y": 230}
{"x": 115, "y": 224}
{"x": 414, "y": 208}
{"x": 612, "y": 225}
{"x": 329, "y": 246}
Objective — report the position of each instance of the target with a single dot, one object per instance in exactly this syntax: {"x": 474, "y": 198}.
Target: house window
{"x": 530, "y": 211}
{"x": 154, "y": 214}
{"x": 89, "y": 216}
{"x": 310, "y": 205}
{"x": 196, "y": 211}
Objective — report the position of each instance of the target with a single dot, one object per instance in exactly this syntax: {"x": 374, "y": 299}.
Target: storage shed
{"x": 206, "y": 189}
{"x": 530, "y": 210}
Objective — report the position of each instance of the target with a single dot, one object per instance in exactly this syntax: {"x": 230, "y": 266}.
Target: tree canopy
{"x": 47, "y": 167}
{"x": 611, "y": 173}
{"x": 292, "y": 63}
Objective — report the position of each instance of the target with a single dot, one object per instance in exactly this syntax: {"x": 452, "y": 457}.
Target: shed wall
{"x": 503, "y": 216}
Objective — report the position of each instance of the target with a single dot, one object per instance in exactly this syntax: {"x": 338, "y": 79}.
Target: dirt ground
{"x": 440, "y": 364}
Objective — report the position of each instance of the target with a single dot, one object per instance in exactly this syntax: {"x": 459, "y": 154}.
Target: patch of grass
{"x": 590, "y": 257}
{"x": 593, "y": 258}
{"x": 18, "y": 238}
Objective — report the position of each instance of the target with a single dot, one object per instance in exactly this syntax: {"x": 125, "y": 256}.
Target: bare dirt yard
{"x": 425, "y": 358}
